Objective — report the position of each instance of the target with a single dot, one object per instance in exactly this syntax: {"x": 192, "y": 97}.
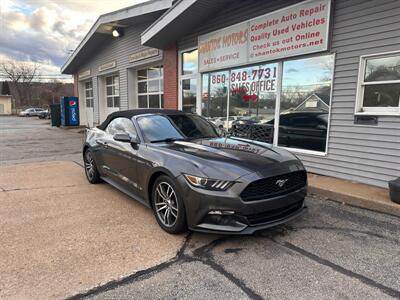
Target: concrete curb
{"x": 386, "y": 207}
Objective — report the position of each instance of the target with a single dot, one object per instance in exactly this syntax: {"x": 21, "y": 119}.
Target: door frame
{"x": 82, "y": 98}
{"x": 181, "y": 77}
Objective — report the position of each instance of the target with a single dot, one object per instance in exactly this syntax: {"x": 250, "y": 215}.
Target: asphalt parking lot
{"x": 31, "y": 139}
{"x": 63, "y": 238}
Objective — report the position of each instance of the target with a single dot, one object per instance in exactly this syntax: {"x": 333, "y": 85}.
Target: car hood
{"x": 231, "y": 158}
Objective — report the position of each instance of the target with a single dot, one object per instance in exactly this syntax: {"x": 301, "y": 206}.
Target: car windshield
{"x": 160, "y": 128}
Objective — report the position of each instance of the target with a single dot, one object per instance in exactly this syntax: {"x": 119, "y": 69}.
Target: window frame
{"x": 359, "y": 109}
{"x": 160, "y": 92}
{"x": 113, "y": 84}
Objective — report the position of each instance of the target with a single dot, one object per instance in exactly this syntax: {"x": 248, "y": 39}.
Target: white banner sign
{"x": 298, "y": 29}
{"x": 223, "y": 48}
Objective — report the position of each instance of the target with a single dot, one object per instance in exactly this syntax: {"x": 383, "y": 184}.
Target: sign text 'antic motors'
{"x": 295, "y": 30}
{"x": 223, "y": 48}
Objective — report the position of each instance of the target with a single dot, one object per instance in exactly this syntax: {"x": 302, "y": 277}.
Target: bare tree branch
{"x": 21, "y": 75}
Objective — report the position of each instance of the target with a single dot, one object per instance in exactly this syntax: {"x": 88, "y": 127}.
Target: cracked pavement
{"x": 63, "y": 238}
{"x": 332, "y": 251}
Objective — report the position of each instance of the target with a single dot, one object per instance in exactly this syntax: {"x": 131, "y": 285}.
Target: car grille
{"x": 274, "y": 215}
{"x": 274, "y": 186}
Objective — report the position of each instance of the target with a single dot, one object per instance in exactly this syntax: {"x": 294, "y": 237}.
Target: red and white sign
{"x": 223, "y": 48}
{"x": 295, "y": 30}
{"x": 254, "y": 80}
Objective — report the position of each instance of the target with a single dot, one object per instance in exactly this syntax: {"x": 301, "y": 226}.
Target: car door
{"x": 304, "y": 133}
{"x": 284, "y": 130}
{"x": 120, "y": 158}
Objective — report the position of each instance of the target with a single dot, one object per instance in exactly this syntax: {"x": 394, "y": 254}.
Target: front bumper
{"x": 225, "y": 212}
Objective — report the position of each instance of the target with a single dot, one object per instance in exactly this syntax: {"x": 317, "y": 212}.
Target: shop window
{"x": 379, "y": 84}
{"x": 89, "y": 93}
{"x": 112, "y": 91}
{"x": 244, "y": 101}
{"x": 305, "y": 102}
{"x": 252, "y": 96}
{"x": 189, "y": 62}
{"x": 214, "y": 105}
{"x": 150, "y": 87}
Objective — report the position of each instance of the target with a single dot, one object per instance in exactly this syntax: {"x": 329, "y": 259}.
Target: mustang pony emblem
{"x": 281, "y": 182}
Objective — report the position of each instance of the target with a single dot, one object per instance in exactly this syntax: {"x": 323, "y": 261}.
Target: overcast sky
{"x": 44, "y": 31}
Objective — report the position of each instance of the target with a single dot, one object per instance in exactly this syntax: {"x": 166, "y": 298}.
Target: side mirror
{"x": 122, "y": 137}
{"x": 126, "y": 138}
{"x": 134, "y": 139}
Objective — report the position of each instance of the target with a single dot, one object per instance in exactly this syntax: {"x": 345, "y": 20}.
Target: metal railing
{"x": 258, "y": 132}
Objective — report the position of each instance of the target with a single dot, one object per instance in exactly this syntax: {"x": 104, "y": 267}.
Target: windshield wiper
{"x": 168, "y": 140}
{"x": 202, "y": 137}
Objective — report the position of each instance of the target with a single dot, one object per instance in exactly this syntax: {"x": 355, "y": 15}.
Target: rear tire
{"x": 168, "y": 206}
{"x": 92, "y": 174}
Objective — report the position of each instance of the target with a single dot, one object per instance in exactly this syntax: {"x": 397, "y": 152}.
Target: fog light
{"x": 221, "y": 212}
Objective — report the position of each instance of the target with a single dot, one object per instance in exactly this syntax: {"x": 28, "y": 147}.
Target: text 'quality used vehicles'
{"x": 177, "y": 164}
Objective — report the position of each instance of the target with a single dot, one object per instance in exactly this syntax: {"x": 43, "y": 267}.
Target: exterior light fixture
{"x": 117, "y": 32}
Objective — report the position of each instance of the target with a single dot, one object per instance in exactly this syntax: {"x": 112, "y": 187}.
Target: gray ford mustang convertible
{"x": 178, "y": 165}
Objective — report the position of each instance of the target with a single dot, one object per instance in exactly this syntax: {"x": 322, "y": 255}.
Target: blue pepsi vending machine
{"x": 69, "y": 108}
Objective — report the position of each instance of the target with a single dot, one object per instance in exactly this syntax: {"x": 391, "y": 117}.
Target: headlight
{"x": 209, "y": 184}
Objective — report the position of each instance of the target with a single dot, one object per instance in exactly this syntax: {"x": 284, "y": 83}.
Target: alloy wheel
{"x": 166, "y": 204}
{"x": 89, "y": 165}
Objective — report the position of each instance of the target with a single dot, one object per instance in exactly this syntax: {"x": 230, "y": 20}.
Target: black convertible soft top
{"x": 135, "y": 112}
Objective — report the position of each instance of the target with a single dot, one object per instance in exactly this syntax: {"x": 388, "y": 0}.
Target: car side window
{"x": 121, "y": 125}
{"x": 284, "y": 121}
{"x": 304, "y": 122}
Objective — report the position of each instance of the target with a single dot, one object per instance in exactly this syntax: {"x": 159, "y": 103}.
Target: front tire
{"x": 168, "y": 206}
{"x": 92, "y": 174}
